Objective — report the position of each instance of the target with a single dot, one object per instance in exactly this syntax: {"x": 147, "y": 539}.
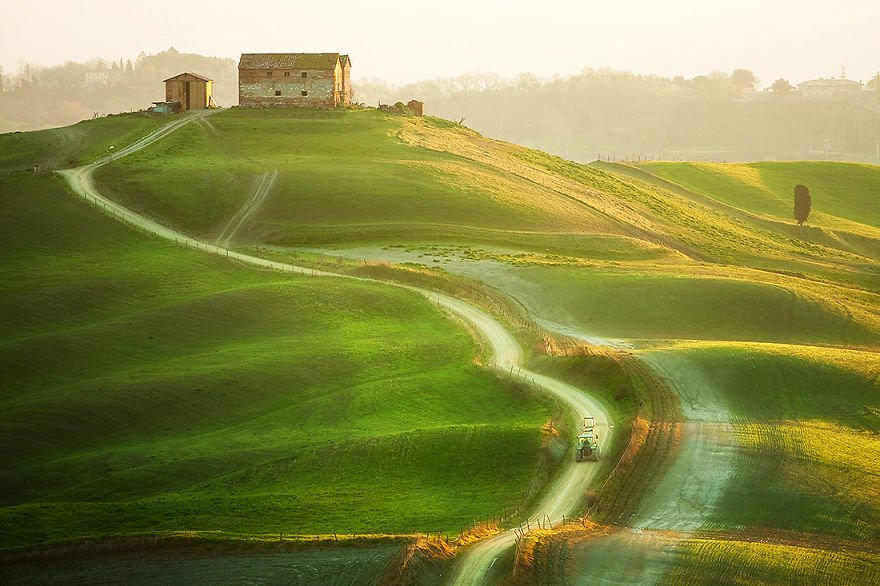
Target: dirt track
{"x": 564, "y": 497}
{"x": 265, "y": 182}
{"x": 688, "y": 489}
{"x": 687, "y": 497}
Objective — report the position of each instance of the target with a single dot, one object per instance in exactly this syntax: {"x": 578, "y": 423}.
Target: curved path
{"x": 250, "y": 207}
{"x": 565, "y": 495}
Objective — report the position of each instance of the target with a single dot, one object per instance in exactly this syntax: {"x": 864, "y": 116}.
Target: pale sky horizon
{"x": 405, "y": 41}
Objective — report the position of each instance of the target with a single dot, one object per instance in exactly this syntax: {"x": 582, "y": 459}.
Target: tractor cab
{"x": 587, "y": 447}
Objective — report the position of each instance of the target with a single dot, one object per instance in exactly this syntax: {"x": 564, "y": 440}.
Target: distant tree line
{"x": 597, "y": 113}
{"x": 613, "y": 114}
{"x": 36, "y": 97}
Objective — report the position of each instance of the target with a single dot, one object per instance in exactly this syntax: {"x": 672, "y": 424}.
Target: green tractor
{"x": 587, "y": 442}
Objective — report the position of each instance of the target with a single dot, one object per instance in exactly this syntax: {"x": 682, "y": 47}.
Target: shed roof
{"x": 288, "y": 61}
{"x": 189, "y": 74}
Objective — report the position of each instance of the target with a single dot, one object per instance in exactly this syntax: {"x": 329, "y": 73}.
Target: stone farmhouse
{"x": 294, "y": 80}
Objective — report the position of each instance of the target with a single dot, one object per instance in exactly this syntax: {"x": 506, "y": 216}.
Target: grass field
{"x": 647, "y": 302}
{"x": 840, "y": 191}
{"x": 356, "y": 177}
{"x": 806, "y": 420}
{"x": 341, "y": 177}
{"x": 60, "y": 148}
{"x": 708, "y": 561}
{"x": 796, "y": 465}
{"x": 151, "y": 389}
{"x": 364, "y": 565}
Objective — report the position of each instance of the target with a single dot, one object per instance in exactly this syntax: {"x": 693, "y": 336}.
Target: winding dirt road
{"x": 565, "y": 495}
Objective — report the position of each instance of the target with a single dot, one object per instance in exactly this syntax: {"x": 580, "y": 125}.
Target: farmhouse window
{"x": 305, "y": 93}
{"x": 269, "y": 73}
{"x": 305, "y": 73}
{"x": 277, "y": 92}
{"x": 286, "y": 74}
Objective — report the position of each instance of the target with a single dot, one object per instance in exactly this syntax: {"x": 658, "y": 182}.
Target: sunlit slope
{"x": 652, "y": 211}
{"x": 646, "y": 302}
{"x": 800, "y": 500}
{"x": 341, "y": 176}
{"x": 366, "y": 176}
{"x": 844, "y": 213}
{"x": 147, "y": 388}
{"x": 780, "y": 467}
{"x": 805, "y": 421}
{"x": 843, "y": 194}
{"x": 717, "y": 561}
{"x": 779, "y": 483}
{"x": 60, "y": 148}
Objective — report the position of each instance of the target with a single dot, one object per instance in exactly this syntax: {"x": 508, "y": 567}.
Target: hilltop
{"x": 356, "y": 178}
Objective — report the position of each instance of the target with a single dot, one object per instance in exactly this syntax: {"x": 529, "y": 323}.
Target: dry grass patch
{"x": 708, "y": 561}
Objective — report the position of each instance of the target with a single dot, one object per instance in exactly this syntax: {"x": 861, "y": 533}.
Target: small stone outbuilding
{"x": 294, "y": 80}
{"x": 416, "y": 107}
{"x": 191, "y": 91}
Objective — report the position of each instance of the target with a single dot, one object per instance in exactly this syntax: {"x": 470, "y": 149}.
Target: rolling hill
{"x": 767, "y": 335}
{"x": 149, "y": 389}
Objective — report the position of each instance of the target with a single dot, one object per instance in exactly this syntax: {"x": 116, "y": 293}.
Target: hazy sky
{"x": 409, "y": 40}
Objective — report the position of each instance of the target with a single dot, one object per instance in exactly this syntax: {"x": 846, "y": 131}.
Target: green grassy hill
{"x": 254, "y": 401}
{"x": 356, "y": 177}
{"x": 840, "y": 191}
{"x": 709, "y": 561}
{"x": 342, "y": 176}
{"x": 843, "y": 217}
{"x": 152, "y": 389}
{"x": 61, "y": 148}
{"x": 650, "y": 302}
{"x": 806, "y": 420}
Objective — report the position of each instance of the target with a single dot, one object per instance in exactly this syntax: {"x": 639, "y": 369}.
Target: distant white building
{"x": 98, "y": 78}
{"x": 827, "y": 89}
